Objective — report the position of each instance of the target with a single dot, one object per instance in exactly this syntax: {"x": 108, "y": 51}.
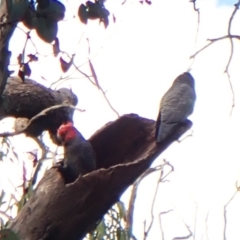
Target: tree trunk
{"x": 27, "y": 99}
{"x": 5, "y": 35}
{"x": 124, "y": 150}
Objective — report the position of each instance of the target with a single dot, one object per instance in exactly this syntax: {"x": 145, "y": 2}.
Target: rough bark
{"x": 5, "y": 35}
{"x": 124, "y": 150}
{"x": 27, "y": 99}
{"x": 10, "y": 13}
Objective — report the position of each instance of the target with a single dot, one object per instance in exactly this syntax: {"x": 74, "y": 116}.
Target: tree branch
{"x": 124, "y": 150}
{"x": 225, "y": 211}
{"x": 42, "y": 113}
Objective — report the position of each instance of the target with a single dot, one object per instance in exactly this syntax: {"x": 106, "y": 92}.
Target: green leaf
{"x": 101, "y": 229}
{"x": 7, "y": 234}
{"x": 94, "y": 10}
{"x": 83, "y": 14}
{"x": 122, "y": 210}
{"x": 17, "y": 9}
{"x": 54, "y": 11}
{"x": 1, "y": 223}
{"x": 30, "y": 18}
{"x": 46, "y": 29}
{"x": 122, "y": 234}
{"x": 1, "y": 197}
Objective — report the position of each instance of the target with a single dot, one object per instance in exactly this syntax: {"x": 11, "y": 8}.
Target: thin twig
{"x": 187, "y": 136}
{"x": 6, "y": 215}
{"x": 129, "y": 221}
{"x": 230, "y": 37}
{"x": 40, "y": 161}
{"x": 213, "y": 40}
{"x": 231, "y": 54}
{"x": 225, "y": 211}
{"x": 206, "y": 221}
{"x": 184, "y": 237}
{"x": 160, "y": 221}
{"x": 84, "y": 74}
{"x": 130, "y": 211}
{"x": 188, "y": 228}
{"x": 108, "y": 102}
{"x": 146, "y": 232}
{"x": 171, "y": 170}
{"x": 160, "y": 179}
{"x": 97, "y": 82}
{"x": 194, "y": 6}
{"x": 198, "y": 27}
{"x": 91, "y": 66}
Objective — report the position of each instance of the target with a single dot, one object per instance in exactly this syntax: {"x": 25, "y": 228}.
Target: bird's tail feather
{"x": 164, "y": 130}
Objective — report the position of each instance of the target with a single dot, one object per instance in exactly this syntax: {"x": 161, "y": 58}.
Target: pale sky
{"x": 136, "y": 60}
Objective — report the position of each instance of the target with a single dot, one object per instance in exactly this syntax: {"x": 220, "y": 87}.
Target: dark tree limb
{"x": 6, "y": 31}
{"x": 124, "y": 150}
{"x": 25, "y": 100}
{"x": 11, "y": 12}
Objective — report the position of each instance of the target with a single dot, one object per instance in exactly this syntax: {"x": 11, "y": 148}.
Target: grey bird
{"x": 24, "y": 100}
{"x": 79, "y": 156}
{"x": 176, "y": 105}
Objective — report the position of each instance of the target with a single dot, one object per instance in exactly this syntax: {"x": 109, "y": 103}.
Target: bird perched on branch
{"x": 176, "y": 105}
{"x": 27, "y": 99}
{"x": 79, "y": 157}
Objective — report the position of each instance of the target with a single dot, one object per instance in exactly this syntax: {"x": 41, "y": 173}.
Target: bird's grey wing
{"x": 177, "y": 104}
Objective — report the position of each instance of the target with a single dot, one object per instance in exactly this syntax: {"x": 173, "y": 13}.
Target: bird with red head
{"x": 79, "y": 157}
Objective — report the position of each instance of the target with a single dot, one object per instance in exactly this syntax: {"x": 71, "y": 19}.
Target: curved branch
{"x": 213, "y": 40}
{"x": 124, "y": 150}
{"x": 42, "y": 113}
{"x": 231, "y": 53}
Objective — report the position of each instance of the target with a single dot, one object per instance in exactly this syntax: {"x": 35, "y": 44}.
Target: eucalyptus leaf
{"x": 17, "y": 9}
{"x": 7, "y": 234}
{"x": 54, "y": 11}
{"x": 46, "y": 29}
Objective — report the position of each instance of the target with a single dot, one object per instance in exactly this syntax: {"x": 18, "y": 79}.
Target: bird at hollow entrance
{"x": 79, "y": 157}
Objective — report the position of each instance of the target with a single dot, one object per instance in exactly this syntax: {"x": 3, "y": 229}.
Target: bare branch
{"x": 195, "y": 8}
{"x": 206, "y": 46}
{"x": 131, "y": 130}
{"x": 160, "y": 179}
{"x": 213, "y": 40}
{"x": 231, "y": 53}
{"x": 135, "y": 187}
{"x": 160, "y": 221}
{"x": 185, "y": 237}
{"x": 6, "y": 215}
{"x": 42, "y": 113}
{"x": 146, "y": 232}
{"x": 230, "y": 37}
{"x": 198, "y": 26}
{"x": 187, "y": 136}
{"x": 129, "y": 221}
{"x": 97, "y": 82}
{"x": 171, "y": 170}
{"x": 84, "y": 74}
{"x": 130, "y": 211}
{"x": 225, "y": 210}
{"x": 91, "y": 66}
{"x": 40, "y": 161}
{"x": 206, "y": 221}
